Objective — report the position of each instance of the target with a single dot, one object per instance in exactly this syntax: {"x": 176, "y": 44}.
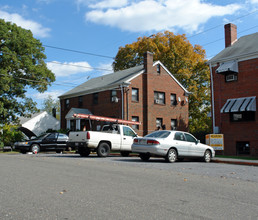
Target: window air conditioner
{"x": 231, "y": 77}
{"x": 114, "y": 99}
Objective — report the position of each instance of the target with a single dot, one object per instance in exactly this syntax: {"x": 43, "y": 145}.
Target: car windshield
{"x": 159, "y": 134}
{"x": 42, "y": 136}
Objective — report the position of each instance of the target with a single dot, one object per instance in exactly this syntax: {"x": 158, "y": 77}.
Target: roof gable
{"x": 158, "y": 62}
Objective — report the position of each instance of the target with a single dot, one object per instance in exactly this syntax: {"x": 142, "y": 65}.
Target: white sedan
{"x": 171, "y": 145}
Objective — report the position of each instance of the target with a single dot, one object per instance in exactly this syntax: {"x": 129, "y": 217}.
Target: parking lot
{"x": 67, "y": 186}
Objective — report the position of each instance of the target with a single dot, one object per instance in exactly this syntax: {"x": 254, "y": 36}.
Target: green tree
{"x": 49, "y": 103}
{"x": 22, "y": 66}
{"x": 10, "y": 134}
{"x": 185, "y": 61}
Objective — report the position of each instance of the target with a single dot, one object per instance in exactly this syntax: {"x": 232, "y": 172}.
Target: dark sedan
{"x": 47, "y": 142}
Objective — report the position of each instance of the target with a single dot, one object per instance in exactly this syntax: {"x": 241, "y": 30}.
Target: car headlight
{"x": 24, "y": 143}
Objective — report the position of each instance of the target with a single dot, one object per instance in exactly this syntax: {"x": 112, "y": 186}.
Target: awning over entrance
{"x": 77, "y": 111}
{"x": 231, "y": 66}
{"x": 239, "y": 105}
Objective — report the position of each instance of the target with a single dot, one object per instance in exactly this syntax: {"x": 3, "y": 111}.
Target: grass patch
{"x": 237, "y": 157}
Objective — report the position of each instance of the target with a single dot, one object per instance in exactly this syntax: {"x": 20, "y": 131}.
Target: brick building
{"x": 235, "y": 88}
{"x": 148, "y": 93}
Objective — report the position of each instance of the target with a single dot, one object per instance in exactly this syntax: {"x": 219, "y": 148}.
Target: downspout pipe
{"x": 212, "y": 100}
{"x": 122, "y": 99}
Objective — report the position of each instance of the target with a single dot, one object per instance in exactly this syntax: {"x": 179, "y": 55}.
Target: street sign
{"x": 215, "y": 140}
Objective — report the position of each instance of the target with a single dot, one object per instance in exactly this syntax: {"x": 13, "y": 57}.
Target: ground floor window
{"x": 242, "y": 116}
{"x": 135, "y": 118}
{"x": 159, "y": 123}
{"x": 173, "y": 124}
{"x": 242, "y": 147}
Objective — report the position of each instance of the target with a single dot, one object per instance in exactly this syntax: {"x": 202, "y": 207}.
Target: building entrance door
{"x": 242, "y": 147}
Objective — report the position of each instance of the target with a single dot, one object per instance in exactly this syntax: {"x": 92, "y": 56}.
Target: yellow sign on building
{"x": 215, "y": 140}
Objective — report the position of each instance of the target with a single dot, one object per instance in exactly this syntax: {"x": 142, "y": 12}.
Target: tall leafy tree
{"x": 49, "y": 104}
{"x": 185, "y": 61}
{"x": 22, "y": 66}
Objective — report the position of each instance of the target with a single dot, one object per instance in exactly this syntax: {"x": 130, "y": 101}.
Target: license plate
{"x": 142, "y": 142}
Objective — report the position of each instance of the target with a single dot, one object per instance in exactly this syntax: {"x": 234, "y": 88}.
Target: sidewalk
{"x": 235, "y": 161}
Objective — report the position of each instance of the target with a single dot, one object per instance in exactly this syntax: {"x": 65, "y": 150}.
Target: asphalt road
{"x": 52, "y": 186}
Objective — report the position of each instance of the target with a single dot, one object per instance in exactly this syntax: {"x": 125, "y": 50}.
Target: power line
{"x": 86, "y": 67}
{"x": 209, "y": 29}
{"x": 77, "y": 51}
{"x": 224, "y": 38}
{"x": 69, "y": 64}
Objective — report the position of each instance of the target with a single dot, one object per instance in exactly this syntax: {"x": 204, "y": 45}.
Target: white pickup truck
{"x": 111, "y": 137}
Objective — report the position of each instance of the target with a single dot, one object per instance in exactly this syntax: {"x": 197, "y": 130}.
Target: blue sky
{"x": 96, "y": 30}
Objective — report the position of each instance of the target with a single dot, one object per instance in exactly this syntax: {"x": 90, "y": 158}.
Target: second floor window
{"x": 80, "y": 101}
{"x": 159, "y": 97}
{"x": 114, "y": 96}
{"x": 95, "y": 98}
{"x": 67, "y": 102}
{"x": 173, "y": 99}
{"x": 135, "y": 94}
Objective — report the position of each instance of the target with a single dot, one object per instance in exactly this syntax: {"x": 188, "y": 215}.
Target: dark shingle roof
{"x": 104, "y": 82}
{"x": 244, "y": 47}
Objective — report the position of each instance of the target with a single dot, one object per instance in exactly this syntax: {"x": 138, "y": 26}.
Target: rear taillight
{"x": 88, "y": 135}
{"x": 135, "y": 141}
{"x": 152, "y": 142}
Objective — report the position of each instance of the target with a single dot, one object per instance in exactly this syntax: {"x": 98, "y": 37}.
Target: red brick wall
{"x": 246, "y": 86}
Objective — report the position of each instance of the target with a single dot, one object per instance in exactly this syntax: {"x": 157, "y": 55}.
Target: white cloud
{"x": 109, "y": 4}
{"x": 53, "y": 94}
{"x": 68, "y": 68}
{"x": 157, "y": 15}
{"x": 106, "y": 68}
{"x": 36, "y": 28}
{"x": 254, "y": 1}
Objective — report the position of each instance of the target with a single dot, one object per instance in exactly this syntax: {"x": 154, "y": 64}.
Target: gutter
{"x": 212, "y": 100}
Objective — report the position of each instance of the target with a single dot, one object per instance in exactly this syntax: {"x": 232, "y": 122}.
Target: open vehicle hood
{"x": 27, "y": 132}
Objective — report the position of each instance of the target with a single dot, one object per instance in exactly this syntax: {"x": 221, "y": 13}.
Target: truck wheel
{"x": 103, "y": 150}
{"x": 84, "y": 152}
{"x": 124, "y": 153}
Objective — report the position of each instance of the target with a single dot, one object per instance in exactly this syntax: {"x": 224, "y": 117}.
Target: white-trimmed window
{"x": 173, "y": 124}
{"x": 135, "y": 94}
{"x": 173, "y": 100}
{"x": 135, "y": 118}
{"x": 159, "y": 97}
{"x": 159, "y": 123}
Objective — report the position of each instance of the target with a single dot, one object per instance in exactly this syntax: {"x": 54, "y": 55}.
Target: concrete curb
{"x": 236, "y": 162}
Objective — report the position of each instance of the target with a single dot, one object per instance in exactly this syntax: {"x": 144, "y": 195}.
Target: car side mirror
{"x": 198, "y": 142}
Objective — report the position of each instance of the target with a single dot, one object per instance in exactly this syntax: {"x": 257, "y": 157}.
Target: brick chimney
{"x": 148, "y": 62}
{"x": 230, "y": 34}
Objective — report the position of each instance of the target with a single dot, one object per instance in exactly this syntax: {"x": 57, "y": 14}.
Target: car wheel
{"x": 171, "y": 155}
{"x": 207, "y": 156}
{"x": 124, "y": 153}
{"x": 144, "y": 157}
{"x": 35, "y": 148}
{"x": 103, "y": 150}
